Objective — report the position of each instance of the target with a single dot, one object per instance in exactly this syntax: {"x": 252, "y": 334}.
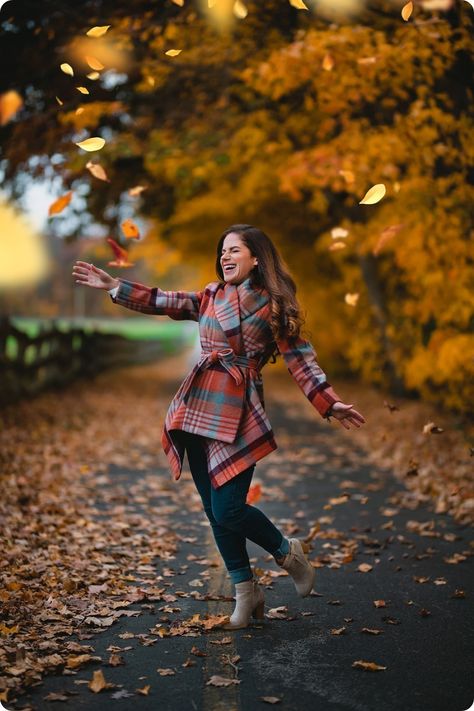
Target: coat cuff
{"x": 324, "y": 399}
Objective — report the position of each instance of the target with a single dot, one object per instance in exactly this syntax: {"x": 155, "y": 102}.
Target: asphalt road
{"x": 425, "y": 638}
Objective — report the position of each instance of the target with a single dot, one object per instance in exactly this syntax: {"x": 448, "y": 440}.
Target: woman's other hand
{"x": 347, "y": 415}
{"x": 90, "y": 275}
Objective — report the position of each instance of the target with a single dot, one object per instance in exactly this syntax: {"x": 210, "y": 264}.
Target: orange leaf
{"x": 59, "y": 204}
{"x": 10, "y": 103}
{"x": 130, "y": 229}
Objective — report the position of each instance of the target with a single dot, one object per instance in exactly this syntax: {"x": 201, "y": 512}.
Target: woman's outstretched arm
{"x": 301, "y": 361}
{"x": 178, "y": 305}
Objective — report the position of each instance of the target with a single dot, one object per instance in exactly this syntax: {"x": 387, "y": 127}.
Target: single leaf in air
{"x": 121, "y": 255}
{"x": 97, "y": 171}
{"x": 180, "y": 3}
{"x": 299, "y": 4}
{"x": 58, "y": 205}
{"x": 407, "y": 10}
{"x": 10, "y": 103}
{"x": 59, "y": 101}
{"x": 336, "y": 245}
{"x": 173, "y": 52}
{"x": 351, "y": 299}
{"x": 79, "y": 110}
{"x": 93, "y": 75}
{"x": 82, "y": 89}
{"x": 134, "y": 192}
{"x": 93, "y": 62}
{"x": 337, "y": 232}
{"x": 328, "y": 62}
{"x": 97, "y": 31}
{"x": 91, "y": 144}
{"x": 375, "y": 194}
{"x": 240, "y": 10}
{"x": 67, "y": 69}
{"x": 130, "y": 229}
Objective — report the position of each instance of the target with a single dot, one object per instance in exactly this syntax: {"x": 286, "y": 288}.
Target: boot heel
{"x": 258, "y": 612}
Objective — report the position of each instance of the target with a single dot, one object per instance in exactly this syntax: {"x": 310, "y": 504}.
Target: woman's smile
{"x": 237, "y": 261}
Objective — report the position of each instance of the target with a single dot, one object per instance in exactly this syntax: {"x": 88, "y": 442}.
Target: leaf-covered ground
{"x": 82, "y": 544}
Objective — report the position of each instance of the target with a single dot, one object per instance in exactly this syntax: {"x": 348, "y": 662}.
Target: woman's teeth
{"x": 229, "y": 268}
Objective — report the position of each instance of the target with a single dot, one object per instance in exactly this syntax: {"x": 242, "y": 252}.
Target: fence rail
{"x": 54, "y": 358}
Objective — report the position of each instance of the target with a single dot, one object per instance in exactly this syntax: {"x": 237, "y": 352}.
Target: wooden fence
{"x": 54, "y": 358}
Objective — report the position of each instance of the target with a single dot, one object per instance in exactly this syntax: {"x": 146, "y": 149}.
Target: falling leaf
{"x": 97, "y": 31}
{"x": 92, "y": 144}
{"x": 130, "y": 229}
{"x": 337, "y": 232}
{"x": 120, "y": 253}
{"x": 93, "y": 62}
{"x": 217, "y": 680}
{"x": 67, "y": 69}
{"x": 298, "y": 4}
{"x": 58, "y": 205}
{"x": 351, "y": 299}
{"x": 240, "y": 10}
{"x": 407, "y": 10}
{"x": 98, "y": 682}
{"x": 375, "y": 194}
{"x": 82, "y": 89}
{"x": 337, "y": 245}
{"x": 97, "y": 171}
{"x": 367, "y": 666}
{"x": 180, "y": 3}
{"x": 254, "y": 494}
{"x": 173, "y": 52}
{"x": 79, "y": 110}
{"x": 59, "y": 101}
{"x": 10, "y": 103}
{"x": 328, "y": 62}
{"x": 133, "y": 192}
{"x": 93, "y": 76}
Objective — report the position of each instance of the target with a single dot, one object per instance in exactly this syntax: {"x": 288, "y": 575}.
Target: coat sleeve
{"x": 300, "y": 359}
{"x": 178, "y": 305}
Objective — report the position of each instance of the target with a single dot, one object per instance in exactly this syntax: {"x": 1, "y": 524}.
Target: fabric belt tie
{"x": 230, "y": 360}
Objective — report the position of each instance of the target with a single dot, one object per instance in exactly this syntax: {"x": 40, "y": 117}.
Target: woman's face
{"x": 236, "y": 259}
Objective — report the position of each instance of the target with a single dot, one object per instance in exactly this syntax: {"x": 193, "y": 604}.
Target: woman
{"x": 218, "y": 414}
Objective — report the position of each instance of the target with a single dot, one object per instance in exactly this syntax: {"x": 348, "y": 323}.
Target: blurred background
{"x": 158, "y": 125}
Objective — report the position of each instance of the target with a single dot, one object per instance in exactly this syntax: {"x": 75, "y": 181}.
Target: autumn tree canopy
{"x": 285, "y": 120}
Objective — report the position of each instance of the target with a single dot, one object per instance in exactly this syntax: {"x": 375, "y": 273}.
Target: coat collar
{"x": 234, "y": 302}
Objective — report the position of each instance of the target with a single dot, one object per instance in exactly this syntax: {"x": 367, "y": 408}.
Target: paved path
{"x": 421, "y": 567}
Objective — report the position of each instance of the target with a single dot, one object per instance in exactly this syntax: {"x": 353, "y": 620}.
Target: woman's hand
{"x": 346, "y": 415}
{"x": 89, "y": 275}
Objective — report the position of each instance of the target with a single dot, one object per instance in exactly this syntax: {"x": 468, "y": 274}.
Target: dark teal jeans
{"x": 231, "y": 518}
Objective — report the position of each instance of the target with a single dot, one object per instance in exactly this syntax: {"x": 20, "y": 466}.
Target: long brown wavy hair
{"x": 272, "y": 274}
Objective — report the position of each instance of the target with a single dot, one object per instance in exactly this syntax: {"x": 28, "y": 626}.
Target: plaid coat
{"x": 221, "y": 398}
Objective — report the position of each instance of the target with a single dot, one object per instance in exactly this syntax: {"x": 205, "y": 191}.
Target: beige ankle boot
{"x": 299, "y": 568}
{"x": 250, "y": 601}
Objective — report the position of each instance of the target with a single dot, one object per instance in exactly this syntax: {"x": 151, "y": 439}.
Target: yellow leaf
{"x": 79, "y": 110}
{"x": 407, "y": 10}
{"x": 93, "y": 62}
{"x": 336, "y": 245}
{"x": 337, "y": 232}
{"x": 133, "y": 192}
{"x": 375, "y": 194}
{"x": 98, "y": 681}
{"x": 299, "y": 4}
{"x": 67, "y": 69}
{"x": 97, "y": 171}
{"x": 82, "y": 89}
{"x": 59, "y": 204}
{"x": 351, "y": 299}
{"x": 91, "y": 144}
{"x": 173, "y": 52}
{"x": 328, "y": 62}
{"x": 240, "y": 10}
{"x": 93, "y": 75}
{"x": 97, "y": 31}
{"x": 130, "y": 229}
{"x": 178, "y": 2}
{"x": 59, "y": 101}
{"x": 151, "y": 81}
{"x": 10, "y": 103}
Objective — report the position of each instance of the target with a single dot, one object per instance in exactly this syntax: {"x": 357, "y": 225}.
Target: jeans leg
{"x": 230, "y": 509}
{"x": 231, "y": 544}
